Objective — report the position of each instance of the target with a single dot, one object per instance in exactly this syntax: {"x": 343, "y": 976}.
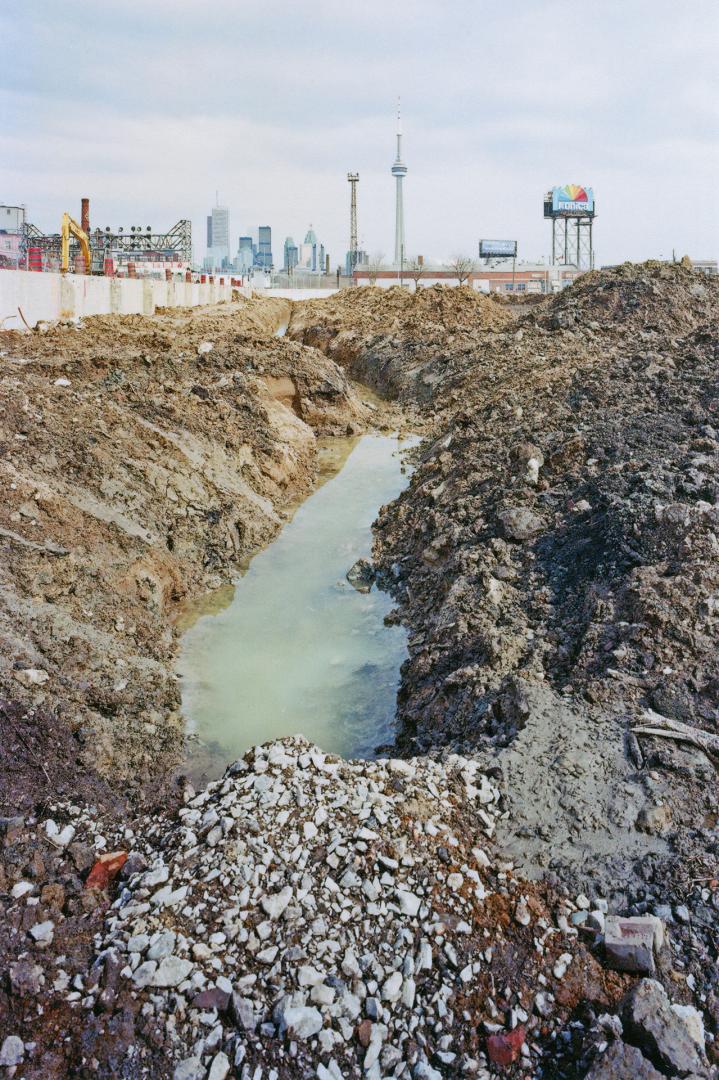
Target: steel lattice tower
{"x": 354, "y": 180}
{"x": 399, "y": 171}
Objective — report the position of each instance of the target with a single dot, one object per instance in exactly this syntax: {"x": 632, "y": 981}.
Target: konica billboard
{"x": 497, "y": 249}
{"x": 572, "y": 199}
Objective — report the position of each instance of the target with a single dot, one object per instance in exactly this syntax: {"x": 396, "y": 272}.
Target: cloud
{"x": 149, "y": 108}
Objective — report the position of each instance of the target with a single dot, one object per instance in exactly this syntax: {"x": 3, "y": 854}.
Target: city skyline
{"x": 497, "y": 108}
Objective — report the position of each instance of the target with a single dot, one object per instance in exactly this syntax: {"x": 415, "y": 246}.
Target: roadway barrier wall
{"x": 48, "y": 296}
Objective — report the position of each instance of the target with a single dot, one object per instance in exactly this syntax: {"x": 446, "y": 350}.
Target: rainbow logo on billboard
{"x": 572, "y": 198}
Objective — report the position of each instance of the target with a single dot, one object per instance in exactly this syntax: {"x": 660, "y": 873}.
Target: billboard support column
{"x": 514, "y": 270}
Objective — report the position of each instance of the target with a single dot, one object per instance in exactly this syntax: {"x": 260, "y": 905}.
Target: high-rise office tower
{"x": 218, "y": 230}
{"x": 399, "y": 171}
{"x": 291, "y": 254}
{"x": 245, "y": 255}
{"x": 264, "y": 247}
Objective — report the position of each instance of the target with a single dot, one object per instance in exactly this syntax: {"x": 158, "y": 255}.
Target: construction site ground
{"x": 555, "y": 559}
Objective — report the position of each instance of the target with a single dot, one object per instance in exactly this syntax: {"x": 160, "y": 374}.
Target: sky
{"x": 150, "y": 108}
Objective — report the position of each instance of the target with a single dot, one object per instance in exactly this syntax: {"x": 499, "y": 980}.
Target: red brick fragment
{"x": 364, "y": 1033}
{"x": 505, "y": 1048}
{"x": 106, "y": 869}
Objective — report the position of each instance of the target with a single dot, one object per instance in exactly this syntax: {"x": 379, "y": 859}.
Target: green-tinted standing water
{"x": 298, "y": 650}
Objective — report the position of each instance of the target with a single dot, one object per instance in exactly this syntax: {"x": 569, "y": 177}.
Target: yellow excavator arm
{"x": 70, "y": 226}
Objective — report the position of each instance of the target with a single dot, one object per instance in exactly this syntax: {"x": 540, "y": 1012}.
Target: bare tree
{"x": 375, "y": 264}
{"x": 416, "y": 270}
{"x": 463, "y": 267}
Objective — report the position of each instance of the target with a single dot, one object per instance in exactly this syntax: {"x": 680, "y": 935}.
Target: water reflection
{"x": 298, "y": 650}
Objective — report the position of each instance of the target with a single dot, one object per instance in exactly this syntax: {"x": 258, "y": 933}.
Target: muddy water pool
{"x": 297, "y": 649}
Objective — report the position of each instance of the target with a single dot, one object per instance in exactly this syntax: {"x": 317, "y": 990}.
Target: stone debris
{"x": 663, "y": 1036}
{"x": 623, "y": 1062}
{"x": 359, "y": 943}
{"x": 630, "y": 944}
{"x": 12, "y": 1052}
{"x": 361, "y": 576}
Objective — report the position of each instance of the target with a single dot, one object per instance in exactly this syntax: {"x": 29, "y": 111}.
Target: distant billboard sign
{"x": 572, "y": 199}
{"x": 498, "y": 249}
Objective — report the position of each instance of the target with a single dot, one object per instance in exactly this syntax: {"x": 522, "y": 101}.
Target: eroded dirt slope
{"x": 141, "y": 459}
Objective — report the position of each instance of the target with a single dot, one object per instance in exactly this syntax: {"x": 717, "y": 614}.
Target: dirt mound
{"x": 555, "y": 558}
{"x": 142, "y": 459}
{"x": 399, "y": 342}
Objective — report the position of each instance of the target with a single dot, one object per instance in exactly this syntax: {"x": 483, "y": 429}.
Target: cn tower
{"x": 399, "y": 171}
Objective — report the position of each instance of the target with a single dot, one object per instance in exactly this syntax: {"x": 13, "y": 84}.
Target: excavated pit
{"x": 298, "y": 650}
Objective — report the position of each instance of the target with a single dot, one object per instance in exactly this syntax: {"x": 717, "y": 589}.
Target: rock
{"x": 364, "y": 1033}
{"x": 43, "y": 932}
{"x": 26, "y": 978}
{"x": 522, "y": 914}
{"x": 622, "y": 1062}
{"x": 505, "y": 1047}
{"x": 409, "y": 904}
{"x": 560, "y": 968}
{"x": 220, "y": 1067}
{"x": 244, "y": 1012}
{"x": 361, "y": 576}
{"x": 321, "y": 994}
{"x": 190, "y": 1069}
{"x": 172, "y": 971}
{"x": 12, "y": 1052}
{"x": 31, "y": 676}
{"x": 273, "y": 906}
{"x": 519, "y": 523}
{"x": 106, "y": 869}
{"x": 392, "y": 987}
{"x": 162, "y": 946}
{"x": 630, "y": 943}
{"x": 661, "y": 1035}
{"x": 57, "y": 836}
{"x": 204, "y": 347}
{"x": 144, "y": 973}
{"x": 214, "y": 998}
{"x": 82, "y": 855}
{"x": 20, "y": 889}
{"x": 301, "y": 1021}
{"x": 693, "y": 1021}
{"x": 655, "y": 819}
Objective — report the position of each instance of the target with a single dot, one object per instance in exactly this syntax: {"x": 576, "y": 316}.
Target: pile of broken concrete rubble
{"x": 309, "y": 916}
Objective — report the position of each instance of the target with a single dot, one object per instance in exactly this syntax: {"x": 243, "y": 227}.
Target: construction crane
{"x": 71, "y": 227}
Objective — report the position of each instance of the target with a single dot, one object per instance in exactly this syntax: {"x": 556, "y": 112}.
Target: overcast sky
{"x": 150, "y": 106}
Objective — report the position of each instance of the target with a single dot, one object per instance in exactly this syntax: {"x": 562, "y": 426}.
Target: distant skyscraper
{"x": 218, "y": 236}
{"x": 264, "y": 247}
{"x": 245, "y": 255}
{"x": 399, "y": 171}
{"x": 291, "y": 254}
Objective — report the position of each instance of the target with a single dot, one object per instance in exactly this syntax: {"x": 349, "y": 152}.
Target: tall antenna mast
{"x": 399, "y": 171}
{"x": 353, "y": 180}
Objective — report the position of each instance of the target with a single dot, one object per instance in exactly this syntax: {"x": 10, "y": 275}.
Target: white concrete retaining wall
{"x": 45, "y": 297}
